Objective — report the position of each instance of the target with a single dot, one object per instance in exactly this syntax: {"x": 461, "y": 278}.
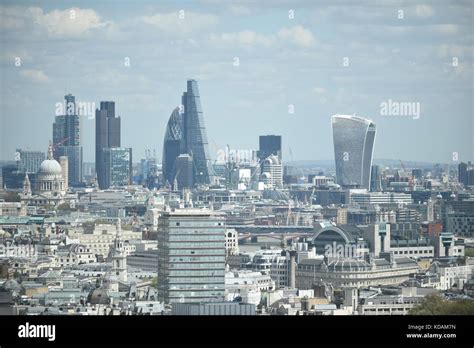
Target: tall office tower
{"x": 191, "y": 256}
{"x": 184, "y": 171}
{"x": 67, "y": 139}
{"x": 173, "y": 146}
{"x": 353, "y": 148}
{"x": 269, "y": 145}
{"x": 107, "y": 135}
{"x": 375, "y": 178}
{"x": 195, "y": 137}
{"x": 117, "y": 167}
{"x": 29, "y": 161}
{"x": 63, "y": 162}
{"x": 466, "y": 173}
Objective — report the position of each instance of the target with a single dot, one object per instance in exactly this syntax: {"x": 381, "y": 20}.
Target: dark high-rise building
{"x": 269, "y": 145}
{"x": 67, "y": 139}
{"x": 195, "y": 136}
{"x": 375, "y": 179}
{"x": 173, "y": 146}
{"x": 353, "y": 147}
{"x": 184, "y": 171}
{"x": 107, "y": 135}
{"x": 466, "y": 173}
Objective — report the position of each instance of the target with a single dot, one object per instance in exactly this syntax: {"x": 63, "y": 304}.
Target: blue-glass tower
{"x": 195, "y": 137}
{"x": 173, "y": 146}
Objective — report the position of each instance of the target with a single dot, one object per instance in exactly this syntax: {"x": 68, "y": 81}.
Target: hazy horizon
{"x": 316, "y": 59}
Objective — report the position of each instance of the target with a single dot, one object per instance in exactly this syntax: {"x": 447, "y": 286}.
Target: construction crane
{"x": 60, "y": 142}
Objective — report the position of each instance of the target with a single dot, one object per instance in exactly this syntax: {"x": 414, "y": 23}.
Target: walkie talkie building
{"x": 353, "y": 147}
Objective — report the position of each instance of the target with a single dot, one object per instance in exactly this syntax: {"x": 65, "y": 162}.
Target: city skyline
{"x": 260, "y": 72}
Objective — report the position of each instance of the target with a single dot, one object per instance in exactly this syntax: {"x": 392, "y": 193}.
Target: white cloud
{"x": 240, "y": 10}
{"x": 424, "y": 11}
{"x": 72, "y": 22}
{"x": 69, "y": 23}
{"x": 34, "y": 75}
{"x": 180, "y": 23}
{"x": 297, "y": 35}
{"x": 245, "y": 38}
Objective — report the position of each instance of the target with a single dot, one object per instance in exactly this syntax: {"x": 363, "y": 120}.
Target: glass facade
{"x": 191, "y": 257}
{"x": 173, "y": 146}
{"x": 117, "y": 166}
{"x": 269, "y": 145}
{"x": 195, "y": 137}
{"x": 67, "y": 139}
{"x": 353, "y": 147}
{"x": 29, "y": 161}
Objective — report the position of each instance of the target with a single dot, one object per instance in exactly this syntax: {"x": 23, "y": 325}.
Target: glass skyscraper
{"x": 29, "y": 161}
{"x": 269, "y": 145}
{"x": 67, "y": 139}
{"x": 195, "y": 137}
{"x": 117, "y": 166}
{"x": 173, "y": 146}
{"x": 353, "y": 147}
{"x": 191, "y": 256}
{"x": 107, "y": 135}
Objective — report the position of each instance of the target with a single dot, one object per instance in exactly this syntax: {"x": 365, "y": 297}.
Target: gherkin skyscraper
{"x": 173, "y": 146}
{"x": 195, "y": 137}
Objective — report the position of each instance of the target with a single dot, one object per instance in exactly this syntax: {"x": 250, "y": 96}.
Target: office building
{"x": 272, "y": 173}
{"x": 195, "y": 136}
{"x": 117, "y": 167}
{"x": 29, "y": 161}
{"x": 375, "y": 178}
{"x": 466, "y": 173}
{"x": 184, "y": 171}
{"x": 67, "y": 139}
{"x": 269, "y": 145}
{"x": 107, "y": 135}
{"x": 173, "y": 146}
{"x": 191, "y": 256}
{"x": 353, "y": 147}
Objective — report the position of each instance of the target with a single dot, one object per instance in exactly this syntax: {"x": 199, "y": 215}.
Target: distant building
{"x": 29, "y": 161}
{"x": 191, "y": 256}
{"x": 184, "y": 171}
{"x": 272, "y": 173}
{"x": 107, "y": 135}
{"x": 117, "y": 167}
{"x": 195, "y": 135}
{"x": 173, "y": 146}
{"x": 353, "y": 147}
{"x": 269, "y": 145}
{"x": 67, "y": 139}
{"x": 466, "y": 173}
{"x": 376, "y": 178}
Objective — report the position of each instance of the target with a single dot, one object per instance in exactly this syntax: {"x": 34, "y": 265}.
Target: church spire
{"x": 50, "y": 151}
{"x": 27, "y": 186}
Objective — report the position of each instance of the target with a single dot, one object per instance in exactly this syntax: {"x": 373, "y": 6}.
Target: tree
{"x": 433, "y": 304}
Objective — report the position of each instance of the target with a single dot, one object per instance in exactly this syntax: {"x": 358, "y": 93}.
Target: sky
{"x": 263, "y": 67}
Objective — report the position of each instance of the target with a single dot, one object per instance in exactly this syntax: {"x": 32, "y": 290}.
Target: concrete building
{"x": 354, "y": 273}
{"x": 191, "y": 256}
